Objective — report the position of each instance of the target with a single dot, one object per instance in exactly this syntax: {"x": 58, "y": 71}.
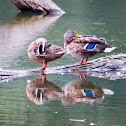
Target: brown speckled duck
{"x": 84, "y": 46}
{"x": 41, "y": 51}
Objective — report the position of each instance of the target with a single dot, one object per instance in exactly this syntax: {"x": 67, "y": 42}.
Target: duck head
{"x": 42, "y": 45}
{"x": 68, "y": 36}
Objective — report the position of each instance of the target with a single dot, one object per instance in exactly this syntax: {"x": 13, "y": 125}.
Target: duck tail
{"x": 109, "y": 49}
{"x": 62, "y": 51}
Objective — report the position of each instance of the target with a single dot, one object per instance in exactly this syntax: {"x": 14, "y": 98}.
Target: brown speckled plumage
{"x": 76, "y": 45}
{"x": 48, "y": 55}
{"x": 49, "y": 91}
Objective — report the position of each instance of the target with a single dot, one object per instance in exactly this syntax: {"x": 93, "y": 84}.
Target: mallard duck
{"x": 41, "y": 51}
{"x": 84, "y": 46}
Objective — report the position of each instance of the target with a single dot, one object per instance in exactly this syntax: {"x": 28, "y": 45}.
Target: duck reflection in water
{"x": 39, "y": 92}
{"x": 78, "y": 90}
{"x": 81, "y": 90}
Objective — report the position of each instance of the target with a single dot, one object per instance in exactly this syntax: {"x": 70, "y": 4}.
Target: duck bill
{"x": 76, "y": 35}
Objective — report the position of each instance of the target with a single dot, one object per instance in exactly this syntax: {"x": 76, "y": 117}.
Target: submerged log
{"x": 111, "y": 67}
{"x": 37, "y": 6}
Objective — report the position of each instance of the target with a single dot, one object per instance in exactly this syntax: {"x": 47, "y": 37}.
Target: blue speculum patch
{"x": 88, "y": 93}
{"x": 90, "y": 46}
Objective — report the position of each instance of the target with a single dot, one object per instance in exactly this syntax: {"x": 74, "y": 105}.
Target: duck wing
{"x": 89, "y": 47}
{"x": 92, "y": 40}
{"x": 84, "y": 48}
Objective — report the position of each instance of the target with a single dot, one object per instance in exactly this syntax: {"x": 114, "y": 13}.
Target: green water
{"x": 105, "y": 19}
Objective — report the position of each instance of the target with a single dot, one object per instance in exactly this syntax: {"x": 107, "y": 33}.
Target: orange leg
{"x": 43, "y": 77}
{"x": 85, "y": 77}
{"x": 83, "y": 61}
{"x": 81, "y": 76}
{"x": 44, "y": 64}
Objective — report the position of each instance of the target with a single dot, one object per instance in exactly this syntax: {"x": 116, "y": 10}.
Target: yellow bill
{"x": 78, "y": 35}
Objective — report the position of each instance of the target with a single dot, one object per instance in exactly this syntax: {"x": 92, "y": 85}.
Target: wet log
{"x": 38, "y": 6}
{"x": 103, "y": 64}
{"x": 112, "y": 67}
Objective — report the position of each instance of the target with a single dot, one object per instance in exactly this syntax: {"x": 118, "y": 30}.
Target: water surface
{"x": 60, "y": 103}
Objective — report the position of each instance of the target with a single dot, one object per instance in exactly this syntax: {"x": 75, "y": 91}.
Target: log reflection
{"x": 22, "y": 29}
{"x": 74, "y": 91}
